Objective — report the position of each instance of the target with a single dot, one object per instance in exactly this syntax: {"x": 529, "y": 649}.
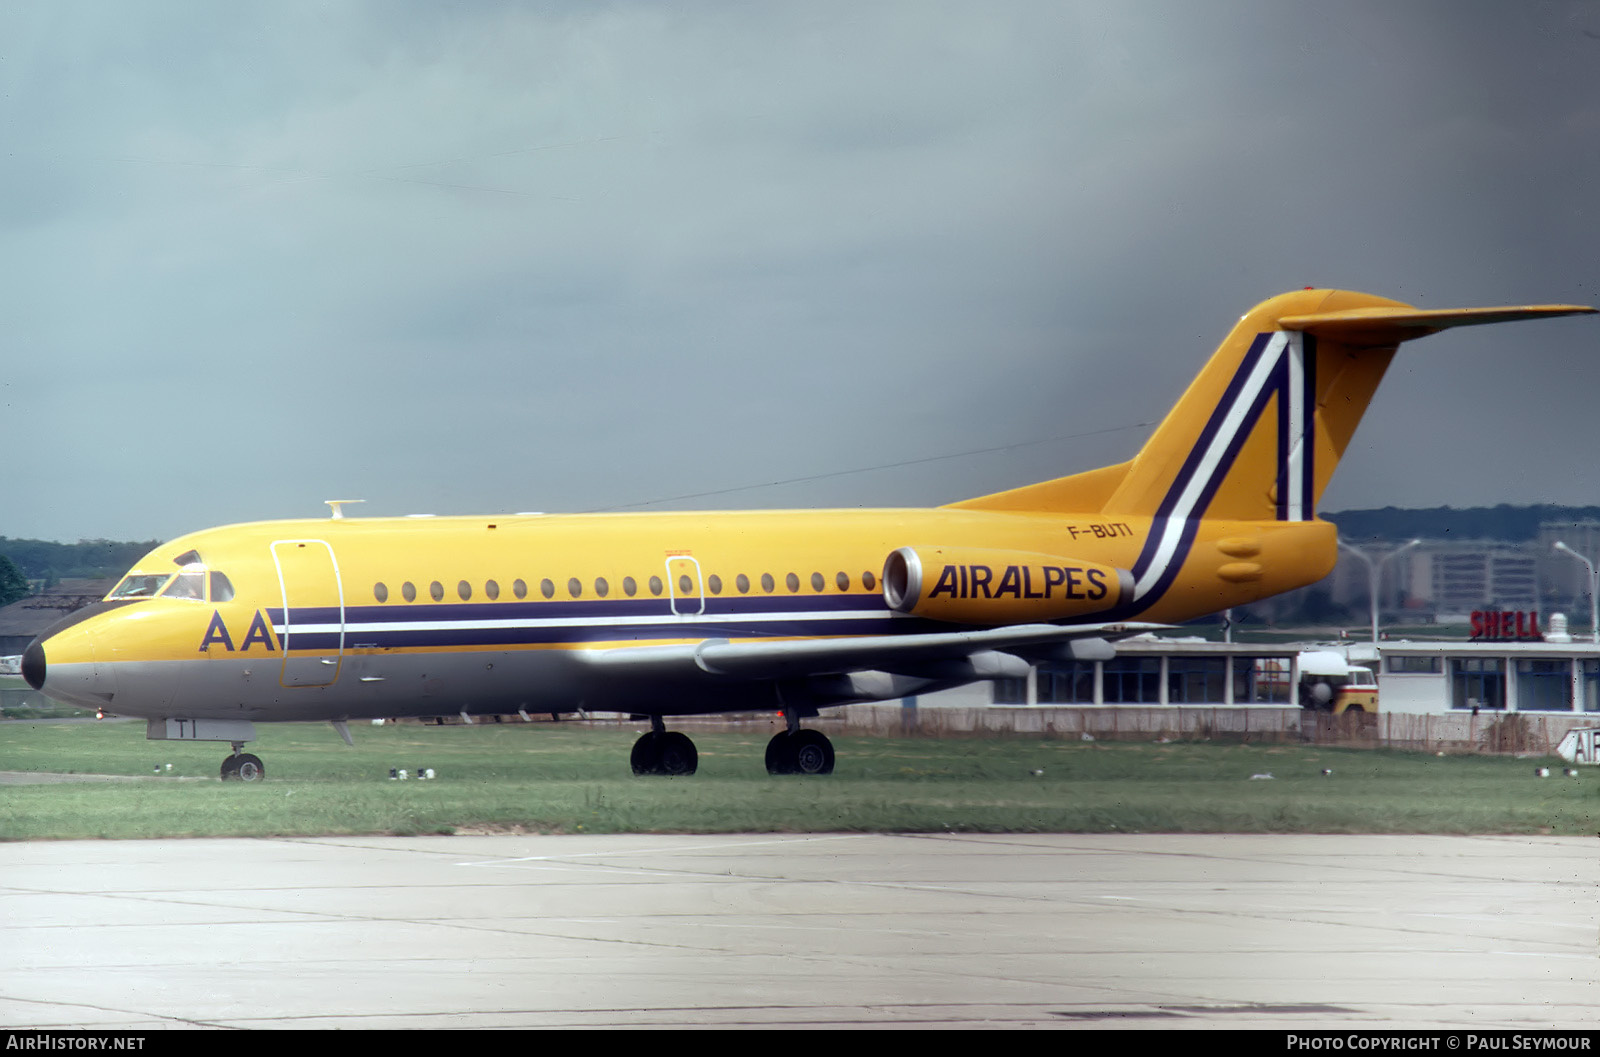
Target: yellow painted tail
{"x": 1257, "y": 435}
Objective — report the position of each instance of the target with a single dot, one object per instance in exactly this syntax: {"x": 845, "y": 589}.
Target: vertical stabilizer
{"x": 1258, "y": 433}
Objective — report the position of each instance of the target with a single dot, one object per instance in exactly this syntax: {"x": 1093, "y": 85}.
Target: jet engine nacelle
{"x": 982, "y": 586}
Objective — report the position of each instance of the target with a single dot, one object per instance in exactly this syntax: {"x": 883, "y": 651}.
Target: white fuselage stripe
{"x": 579, "y": 622}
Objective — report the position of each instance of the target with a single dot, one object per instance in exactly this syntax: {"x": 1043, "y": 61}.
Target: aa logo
{"x": 217, "y": 634}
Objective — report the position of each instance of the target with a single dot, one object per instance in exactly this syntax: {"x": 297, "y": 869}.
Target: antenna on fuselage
{"x": 338, "y": 506}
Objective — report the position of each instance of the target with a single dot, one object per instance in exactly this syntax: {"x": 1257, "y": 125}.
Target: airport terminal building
{"x": 1512, "y": 666}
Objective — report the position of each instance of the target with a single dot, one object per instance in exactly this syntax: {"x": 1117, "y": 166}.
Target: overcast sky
{"x": 490, "y": 257}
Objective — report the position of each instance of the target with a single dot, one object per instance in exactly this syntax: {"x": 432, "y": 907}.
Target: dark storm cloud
{"x": 488, "y": 257}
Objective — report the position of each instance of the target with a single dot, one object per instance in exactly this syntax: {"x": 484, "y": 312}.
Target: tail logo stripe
{"x": 1200, "y": 479}
{"x": 1279, "y": 363}
{"x": 1295, "y": 430}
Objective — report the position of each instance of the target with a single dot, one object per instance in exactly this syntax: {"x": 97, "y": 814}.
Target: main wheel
{"x": 676, "y": 754}
{"x": 811, "y": 752}
{"x": 667, "y": 752}
{"x": 780, "y": 760}
{"x": 800, "y": 752}
{"x": 646, "y": 757}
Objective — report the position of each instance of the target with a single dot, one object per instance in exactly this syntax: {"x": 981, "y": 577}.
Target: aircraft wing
{"x": 983, "y": 653}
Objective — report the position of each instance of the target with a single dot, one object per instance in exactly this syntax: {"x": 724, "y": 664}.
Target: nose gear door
{"x": 312, "y": 627}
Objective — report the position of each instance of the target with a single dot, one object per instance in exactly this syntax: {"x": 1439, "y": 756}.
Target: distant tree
{"x": 13, "y": 585}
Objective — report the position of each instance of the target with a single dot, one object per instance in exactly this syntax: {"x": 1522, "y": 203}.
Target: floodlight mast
{"x": 1594, "y": 589}
{"x": 1375, "y": 574}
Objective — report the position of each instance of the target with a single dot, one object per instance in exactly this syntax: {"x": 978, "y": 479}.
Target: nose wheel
{"x": 242, "y": 767}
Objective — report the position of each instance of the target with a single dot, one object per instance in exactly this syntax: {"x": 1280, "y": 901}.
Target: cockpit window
{"x": 140, "y": 585}
{"x": 191, "y": 583}
{"x": 187, "y": 558}
{"x": 221, "y": 588}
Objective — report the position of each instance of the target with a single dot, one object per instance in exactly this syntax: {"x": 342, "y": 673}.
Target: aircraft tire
{"x": 646, "y": 757}
{"x": 811, "y": 752}
{"x": 780, "y": 760}
{"x": 668, "y": 752}
{"x": 676, "y": 754}
{"x": 243, "y": 767}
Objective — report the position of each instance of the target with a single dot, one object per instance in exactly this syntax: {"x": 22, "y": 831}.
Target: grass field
{"x": 565, "y": 779}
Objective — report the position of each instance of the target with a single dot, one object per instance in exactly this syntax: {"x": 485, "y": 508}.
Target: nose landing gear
{"x": 242, "y": 766}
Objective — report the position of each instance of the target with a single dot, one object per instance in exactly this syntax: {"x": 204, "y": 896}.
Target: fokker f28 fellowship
{"x": 663, "y": 615}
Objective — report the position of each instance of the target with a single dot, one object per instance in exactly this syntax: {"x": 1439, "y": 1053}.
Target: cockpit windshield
{"x": 191, "y": 583}
{"x": 140, "y": 585}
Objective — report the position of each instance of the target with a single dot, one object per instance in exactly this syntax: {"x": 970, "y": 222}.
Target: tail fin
{"x": 1257, "y": 435}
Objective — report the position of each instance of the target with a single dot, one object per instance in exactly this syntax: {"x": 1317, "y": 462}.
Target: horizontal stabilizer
{"x": 1383, "y": 325}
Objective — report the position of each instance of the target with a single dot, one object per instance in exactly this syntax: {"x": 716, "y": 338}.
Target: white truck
{"x": 1328, "y": 682}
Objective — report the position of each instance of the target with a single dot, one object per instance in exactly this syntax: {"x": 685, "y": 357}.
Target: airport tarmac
{"x": 831, "y": 930}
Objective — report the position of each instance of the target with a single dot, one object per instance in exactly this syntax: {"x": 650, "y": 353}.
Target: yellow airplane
{"x": 663, "y": 615}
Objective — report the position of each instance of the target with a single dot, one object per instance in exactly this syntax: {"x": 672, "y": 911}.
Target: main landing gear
{"x": 799, "y": 750}
{"x": 662, "y": 751}
{"x": 242, "y": 766}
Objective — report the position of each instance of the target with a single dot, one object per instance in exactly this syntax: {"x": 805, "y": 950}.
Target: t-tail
{"x": 1257, "y": 435}
{"x": 1260, "y": 430}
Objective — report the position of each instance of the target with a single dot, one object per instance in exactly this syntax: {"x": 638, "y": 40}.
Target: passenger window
{"x": 491, "y": 589}
{"x": 817, "y": 581}
{"x": 869, "y": 581}
{"x": 547, "y": 588}
{"x": 742, "y": 582}
{"x": 464, "y": 589}
{"x": 715, "y": 583}
{"x": 629, "y": 586}
{"x": 436, "y": 591}
{"x": 601, "y": 588}
{"x": 792, "y": 582}
{"x": 655, "y": 585}
{"x": 685, "y": 585}
{"x": 222, "y": 588}
{"x": 380, "y": 591}
{"x": 575, "y": 587}
{"x": 843, "y": 580}
{"x": 519, "y": 588}
{"x": 409, "y": 591}
{"x": 766, "y": 583}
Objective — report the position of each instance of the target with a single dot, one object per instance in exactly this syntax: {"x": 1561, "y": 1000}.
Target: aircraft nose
{"x": 33, "y": 664}
{"x": 61, "y": 662}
